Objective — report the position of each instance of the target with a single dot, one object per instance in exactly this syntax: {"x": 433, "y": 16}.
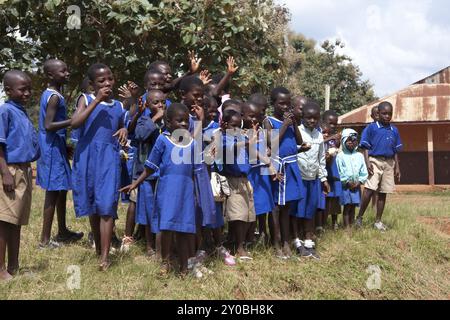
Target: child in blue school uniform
{"x": 353, "y": 174}
{"x": 174, "y": 157}
{"x": 18, "y": 147}
{"x": 147, "y": 125}
{"x": 239, "y": 207}
{"x": 193, "y": 93}
{"x": 282, "y": 130}
{"x": 314, "y": 176}
{"x": 153, "y": 80}
{"x": 332, "y": 143}
{"x": 96, "y": 164}
{"x": 53, "y": 168}
{"x": 381, "y": 144}
{"x": 260, "y": 173}
{"x": 211, "y": 133}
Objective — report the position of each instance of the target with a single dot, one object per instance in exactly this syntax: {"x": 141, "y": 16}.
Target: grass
{"x": 413, "y": 257}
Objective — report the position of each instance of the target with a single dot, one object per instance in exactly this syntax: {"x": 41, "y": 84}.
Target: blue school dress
{"x": 259, "y": 177}
{"x": 145, "y": 136}
{"x": 96, "y": 164}
{"x": 175, "y": 192}
{"x": 313, "y": 200}
{"x": 53, "y": 168}
{"x": 291, "y": 188}
{"x": 206, "y": 212}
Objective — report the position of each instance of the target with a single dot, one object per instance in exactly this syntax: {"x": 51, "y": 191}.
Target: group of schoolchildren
{"x": 186, "y": 168}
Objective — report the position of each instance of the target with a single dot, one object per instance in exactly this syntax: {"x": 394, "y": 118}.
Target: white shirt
{"x": 312, "y": 163}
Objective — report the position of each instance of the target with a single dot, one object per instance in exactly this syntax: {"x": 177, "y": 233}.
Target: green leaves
{"x": 310, "y": 70}
{"x": 129, "y": 34}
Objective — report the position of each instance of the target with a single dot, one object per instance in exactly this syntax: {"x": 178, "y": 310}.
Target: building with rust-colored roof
{"x": 422, "y": 115}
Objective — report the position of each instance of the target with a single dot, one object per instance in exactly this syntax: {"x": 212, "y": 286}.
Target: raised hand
{"x": 124, "y": 92}
{"x": 288, "y": 116}
{"x": 133, "y": 88}
{"x": 103, "y": 94}
{"x": 254, "y": 138}
{"x": 231, "y": 65}
{"x": 194, "y": 62}
{"x": 159, "y": 115}
{"x": 199, "y": 112}
{"x": 205, "y": 76}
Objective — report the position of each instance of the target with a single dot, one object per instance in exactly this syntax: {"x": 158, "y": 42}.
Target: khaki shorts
{"x": 240, "y": 206}
{"x": 383, "y": 175}
{"x": 15, "y": 206}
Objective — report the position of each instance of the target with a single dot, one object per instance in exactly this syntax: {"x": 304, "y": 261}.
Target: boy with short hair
{"x": 381, "y": 143}
{"x": 18, "y": 147}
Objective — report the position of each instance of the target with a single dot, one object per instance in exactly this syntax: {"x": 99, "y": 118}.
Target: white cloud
{"x": 395, "y": 43}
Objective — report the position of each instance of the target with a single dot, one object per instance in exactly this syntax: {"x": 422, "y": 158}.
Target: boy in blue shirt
{"x": 381, "y": 143}
{"x": 18, "y": 147}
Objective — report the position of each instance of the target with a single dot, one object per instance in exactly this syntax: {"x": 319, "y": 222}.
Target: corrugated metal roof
{"x": 442, "y": 76}
{"x": 416, "y": 103}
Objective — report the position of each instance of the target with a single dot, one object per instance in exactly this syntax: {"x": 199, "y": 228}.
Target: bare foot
{"x": 5, "y": 276}
{"x": 150, "y": 253}
{"x": 104, "y": 265}
{"x": 164, "y": 269}
{"x": 287, "y": 250}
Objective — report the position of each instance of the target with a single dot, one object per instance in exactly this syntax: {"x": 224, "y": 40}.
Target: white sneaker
{"x": 201, "y": 256}
{"x": 380, "y": 226}
{"x": 50, "y": 245}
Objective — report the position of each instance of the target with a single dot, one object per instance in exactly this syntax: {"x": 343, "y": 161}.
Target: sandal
{"x": 245, "y": 258}
{"x": 126, "y": 243}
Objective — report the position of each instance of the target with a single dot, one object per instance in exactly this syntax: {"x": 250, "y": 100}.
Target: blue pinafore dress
{"x": 96, "y": 164}
{"x": 53, "y": 168}
{"x": 291, "y": 188}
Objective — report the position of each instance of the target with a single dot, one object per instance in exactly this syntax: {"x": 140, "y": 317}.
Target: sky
{"x": 394, "y": 42}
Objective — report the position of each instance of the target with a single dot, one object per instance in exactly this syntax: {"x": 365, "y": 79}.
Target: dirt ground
{"x": 440, "y": 225}
{"x": 421, "y": 188}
